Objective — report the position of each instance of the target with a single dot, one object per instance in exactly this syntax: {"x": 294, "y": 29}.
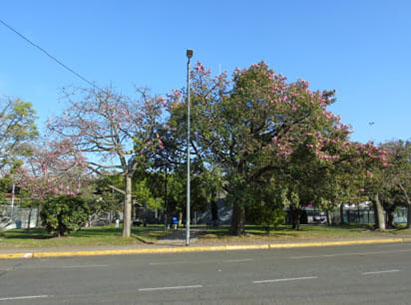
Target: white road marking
{"x": 391, "y": 245}
{"x": 200, "y": 262}
{"x": 81, "y": 266}
{"x": 378, "y": 272}
{"x": 286, "y": 280}
{"x": 167, "y": 263}
{"x": 26, "y": 297}
{"x": 238, "y": 260}
{"x": 348, "y": 254}
{"x": 63, "y": 267}
{"x": 28, "y": 255}
{"x": 170, "y": 288}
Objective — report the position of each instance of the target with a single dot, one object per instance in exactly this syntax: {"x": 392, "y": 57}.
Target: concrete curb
{"x": 201, "y": 248}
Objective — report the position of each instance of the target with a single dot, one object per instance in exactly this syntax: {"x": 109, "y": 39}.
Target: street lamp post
{"x": 189, "y": 54}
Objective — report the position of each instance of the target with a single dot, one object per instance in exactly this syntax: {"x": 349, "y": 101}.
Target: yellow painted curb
{"x": 339, "y": 243}
{"x": 247, "y": 247}
{"x": 16, "y": 255}
{"x": 201, "y": 248}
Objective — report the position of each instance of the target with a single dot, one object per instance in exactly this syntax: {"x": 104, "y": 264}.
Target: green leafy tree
{"x": 176, "y": 194}
{"x": 17, "y": 128}
{"x": 253, "y": 125}
{"x": 208, "y": 184}
{"x": 6, "y": 183}
{"x": 206, "y": 178}
{"x": 144, "y": 196}
{"x": 64, "y": 214}
{"x": 399, "y": 174}
{"x": 267, "y": 208}
{"x": 100, "y": 199}
{"x": 371, "y": 165}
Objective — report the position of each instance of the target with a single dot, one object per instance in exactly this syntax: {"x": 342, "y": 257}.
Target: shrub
{"x": 64, "y": 214}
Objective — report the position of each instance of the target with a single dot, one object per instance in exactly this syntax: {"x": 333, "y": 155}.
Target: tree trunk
{"x": 330, "y": 221}
{"x": 214, "y": 213}
{"x": 390, "y": 217}
{"x": 29, "y": 220}
{"x": 296, "y": 218}
{"x": 380, "y": 213}
{"x": 39, "y": 208}
{"x": 409, "y": 216}
{"x": 133, "y": 210}
{"x": 238, "y": 221}
{"x": 374, "y": 207}
{"x": 297, "y": 222}
{"x": 127, "y": 207}
{"x": 342, "y": 214}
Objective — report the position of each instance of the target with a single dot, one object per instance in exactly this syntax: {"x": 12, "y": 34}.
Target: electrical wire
{"x": 49, "y": 55}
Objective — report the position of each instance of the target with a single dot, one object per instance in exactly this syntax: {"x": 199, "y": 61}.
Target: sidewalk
{"x": 178, "y": 237}
{"x": 175, "y": 243}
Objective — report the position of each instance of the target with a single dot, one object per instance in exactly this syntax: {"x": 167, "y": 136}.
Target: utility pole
{"x": 189, "y": 54}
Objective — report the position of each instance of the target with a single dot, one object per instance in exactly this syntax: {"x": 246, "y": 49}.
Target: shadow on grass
{"x": 286, "y": 231}
{"x": 141, "y": 240}
{"x": 24, "y": 234}
{"x": 111, "y": 232}
{"x": 97, "y": 232}
{"x": 138, "y": 234}
{"x": 103, "y": 234}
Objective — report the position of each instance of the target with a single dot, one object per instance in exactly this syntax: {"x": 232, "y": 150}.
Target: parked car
{"x": 317, "y": 218}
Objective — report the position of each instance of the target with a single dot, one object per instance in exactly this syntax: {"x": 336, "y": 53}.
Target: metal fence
{"x": 366, "y": 215}
{"x": 12, "y": 217}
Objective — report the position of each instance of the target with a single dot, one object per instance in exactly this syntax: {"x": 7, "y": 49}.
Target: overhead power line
{"x": 49, "y": 55}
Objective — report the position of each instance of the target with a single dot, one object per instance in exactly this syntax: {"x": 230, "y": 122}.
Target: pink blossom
{"x": 162, "y": 100}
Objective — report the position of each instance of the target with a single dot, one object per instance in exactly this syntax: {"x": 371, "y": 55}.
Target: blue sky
{"x": 360, "y": 48}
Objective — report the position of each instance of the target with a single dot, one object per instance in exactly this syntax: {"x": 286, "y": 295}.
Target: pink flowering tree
{"x": 115, "y": 134}
{"x": 388, "y": 177}
{"x": 51, "y": 170}
{"x": 371, "y": 165}
{"x": 346, "y": 183}
{"x": 400, "y": 157}
{"x": 259, "y": 128}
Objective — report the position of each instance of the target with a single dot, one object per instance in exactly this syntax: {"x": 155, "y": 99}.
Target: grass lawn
{"x": 307, "y": 232}
{"x": 111, "y": 236}
{"x": 95, "y": 236}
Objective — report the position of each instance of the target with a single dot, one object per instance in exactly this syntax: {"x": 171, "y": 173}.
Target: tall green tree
{"x": 206, "y": 177}
{"x": 371, "y": 165}
{"x": 399, "y": 173}
{"x": 253, "y": 124}
{"x": 17, "y": 128}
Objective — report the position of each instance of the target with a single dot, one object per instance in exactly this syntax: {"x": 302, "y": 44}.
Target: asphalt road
{"x": 372, "y": 274}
